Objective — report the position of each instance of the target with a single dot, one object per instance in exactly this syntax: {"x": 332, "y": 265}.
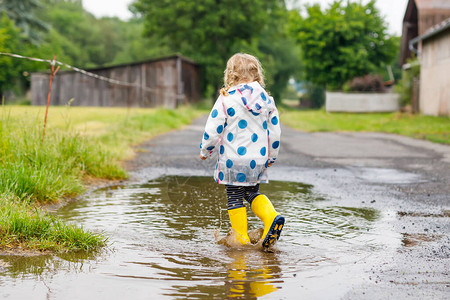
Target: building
{"x": 434, "y": 57}
{"x": 167, "y": 81}
{"x": 420, "y": 16}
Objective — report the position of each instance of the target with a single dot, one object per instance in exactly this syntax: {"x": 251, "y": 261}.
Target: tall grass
{"x": 46, "y": 171}
{"x": 79, "y": 143}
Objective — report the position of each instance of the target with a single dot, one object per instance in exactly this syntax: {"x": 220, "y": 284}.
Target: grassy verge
{"x": 435, "y": 129}
{"x": 80, "y": 143}
{"x": 26, "y": 228}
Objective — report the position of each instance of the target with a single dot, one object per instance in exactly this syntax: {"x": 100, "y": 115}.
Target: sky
{"x": 392, "y": 10}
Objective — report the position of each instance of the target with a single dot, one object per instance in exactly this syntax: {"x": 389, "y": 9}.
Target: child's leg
{"x": 263, "y": 209}
{"x": 235, "y": 196}
{"x": 238, "y": 212}
{"x": 251, "y": 192}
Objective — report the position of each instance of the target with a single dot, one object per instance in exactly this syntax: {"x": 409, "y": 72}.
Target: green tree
{"x": 31, "y": 30}
{"x": 23, "y": 13}
{"x": 134, "y": 46}
{"x": 77, "y": 37}
{"x": 73, "y": 24}
{"x": 280, "y": 55}
{"x": 9, "y": 42}
{"x": 341, "y": 42}
{"x": 208, "y": 31}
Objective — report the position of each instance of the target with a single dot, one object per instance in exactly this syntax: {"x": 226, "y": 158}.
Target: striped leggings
{"x": 237, "y": 193}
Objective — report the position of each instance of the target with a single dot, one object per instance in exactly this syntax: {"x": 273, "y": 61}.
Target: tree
{"x": 208, "y": 31}
{"x": 9, "y": 42}
{"x": 341, "y": 42}
{"x": 77, "y": 37}
{"x": 279, "y": 53}
{"x": 134, "y": 46}
{"x": 23, "y": 13}
{"x": 74, "y": 25}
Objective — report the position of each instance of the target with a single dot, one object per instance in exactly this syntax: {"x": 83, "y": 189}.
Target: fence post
{"x": 52, "y": 74}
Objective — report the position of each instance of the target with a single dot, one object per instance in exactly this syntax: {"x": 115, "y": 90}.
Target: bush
{"x": 405, "y": 86}
{"x": 367, "y": 83}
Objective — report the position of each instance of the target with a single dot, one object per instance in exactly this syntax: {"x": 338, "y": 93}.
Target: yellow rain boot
{"x": 273, "y": 221}
{"x": 238, "y": 219}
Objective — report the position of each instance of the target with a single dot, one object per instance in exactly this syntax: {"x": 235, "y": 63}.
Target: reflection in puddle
{"x": 249, "y": 275}
{"x": 162, "y": 235}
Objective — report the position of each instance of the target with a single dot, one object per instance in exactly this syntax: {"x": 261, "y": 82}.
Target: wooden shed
{"x": 167, "y": 81}
{"x": 420, "y": 16}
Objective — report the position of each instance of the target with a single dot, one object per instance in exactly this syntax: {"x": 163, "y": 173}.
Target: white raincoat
{"x": 244, "y": 127}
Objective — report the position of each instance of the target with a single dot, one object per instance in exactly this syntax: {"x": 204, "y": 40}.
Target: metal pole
{"x": 52, "y": 74}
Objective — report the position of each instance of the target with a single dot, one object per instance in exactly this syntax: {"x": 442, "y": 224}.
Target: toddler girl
{"x": 244, "y": 127}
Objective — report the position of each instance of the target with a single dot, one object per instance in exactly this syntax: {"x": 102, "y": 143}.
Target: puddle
{"x": 163, "y": 246}
{"x": 410, "y": 240}
{"x": 385, "y": 175}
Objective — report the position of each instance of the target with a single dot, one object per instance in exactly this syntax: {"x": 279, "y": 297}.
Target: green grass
{"x": 80, "y": 143}
{"x": 435, "y": 129}
{"x": 114, "y": 128}
{"x": 25, "y": 227}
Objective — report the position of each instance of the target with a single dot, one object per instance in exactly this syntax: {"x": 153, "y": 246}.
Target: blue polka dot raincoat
{"x": 244, "y": 128}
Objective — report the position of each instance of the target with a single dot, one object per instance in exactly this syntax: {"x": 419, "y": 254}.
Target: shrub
{"x": 367, "y": 83}
{"x": 405, "y": 86}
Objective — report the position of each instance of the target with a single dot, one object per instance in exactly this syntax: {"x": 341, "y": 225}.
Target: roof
{"x": 432, "y": 4}
{"x": 436, "y": 29}
{"x": 174, "y": 56}
{"x": 425, "y": 6}
{"x": 186, "y": 59}
{"x": 433, "y": 31}
{"x": 410, "y": 12}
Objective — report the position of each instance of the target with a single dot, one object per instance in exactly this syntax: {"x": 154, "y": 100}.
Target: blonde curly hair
{"x": 242, "y": 68}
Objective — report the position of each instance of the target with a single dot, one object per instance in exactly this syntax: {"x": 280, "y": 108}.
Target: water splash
{"x": 231, "y": 239}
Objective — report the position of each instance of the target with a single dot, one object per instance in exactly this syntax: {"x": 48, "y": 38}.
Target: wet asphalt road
{"x": 406, "y": 179}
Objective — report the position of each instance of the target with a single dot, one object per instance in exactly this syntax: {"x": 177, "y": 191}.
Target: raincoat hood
{"x": 253, "y": 96}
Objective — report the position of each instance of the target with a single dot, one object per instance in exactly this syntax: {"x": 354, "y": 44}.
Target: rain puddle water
{"x": 163, "y": 246}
